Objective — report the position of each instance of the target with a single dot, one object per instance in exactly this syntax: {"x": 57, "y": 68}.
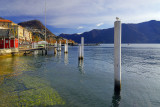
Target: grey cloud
{"x": 73, "y": 13}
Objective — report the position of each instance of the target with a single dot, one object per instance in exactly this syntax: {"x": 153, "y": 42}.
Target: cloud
{"x": 79, "y": 33}
{"x": 100, "y": 24}
{"x": 73, "y": 13}
{"x": 80, "y": 27}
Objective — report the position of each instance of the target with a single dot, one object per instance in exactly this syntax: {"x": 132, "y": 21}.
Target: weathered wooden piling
{"x": 117, "y": 55}
{"x": 55, "y": 45}
{"x": 81, "y": 49}
{"x": 80, "y": 53}
{"x": 59, "y": 46}
{"x": 66, "y": 47}
{"x": 82, "y": 45}
{"x": 55, "y": 48}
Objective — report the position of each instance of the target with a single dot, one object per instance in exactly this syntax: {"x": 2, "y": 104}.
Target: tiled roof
{"x": 5, "y": 20}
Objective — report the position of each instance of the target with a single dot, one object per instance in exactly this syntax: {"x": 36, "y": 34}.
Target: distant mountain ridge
{"x": 145, "y": 32}
{"x": 1, "y": 18}
{"x": 35, "y": 25}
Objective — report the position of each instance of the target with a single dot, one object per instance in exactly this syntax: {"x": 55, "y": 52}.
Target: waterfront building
{"x": 27, "y": 35}
{"x": 5, "y": 24}
{"x": 11, "y": 35}
{"x": 8, "y": 35}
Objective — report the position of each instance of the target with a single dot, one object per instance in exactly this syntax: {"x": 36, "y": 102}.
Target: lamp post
{"x": 45, "y": 30}
{"x": 45, "y": 23}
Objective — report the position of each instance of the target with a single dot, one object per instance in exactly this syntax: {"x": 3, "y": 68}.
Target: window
{"x": 6, "y": 41}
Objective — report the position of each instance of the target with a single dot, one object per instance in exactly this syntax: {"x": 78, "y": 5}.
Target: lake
{"x": 63, "y": 81}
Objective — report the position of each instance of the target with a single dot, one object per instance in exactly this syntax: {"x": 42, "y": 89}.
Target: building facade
{"x": 6, "y": 41}
{"x": 11, "y": 35}
{"x": 5, "y": 24}
{"x": 20, "y": 34}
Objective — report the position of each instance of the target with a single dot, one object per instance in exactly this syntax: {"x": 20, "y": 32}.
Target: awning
{"x": 42, "y": 42}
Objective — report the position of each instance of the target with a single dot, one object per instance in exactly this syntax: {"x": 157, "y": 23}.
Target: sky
{"x": 78, "y": 16}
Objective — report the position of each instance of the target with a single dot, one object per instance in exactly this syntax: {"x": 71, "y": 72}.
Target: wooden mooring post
{"x": 59, "y": 46}
{"x": 55, "y": 48}
{"x": 81, "y": 49}
{"x": 66, "y": 47}
{"x": 117, "y": 55}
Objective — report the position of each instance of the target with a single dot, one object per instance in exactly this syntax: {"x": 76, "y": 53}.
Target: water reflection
{"x": 66, "y": 59}
{"x": 116, "y": 99}
{"x": 55, "y": 54}
{"x": 59, "y": 56}
{"x": 59, "y": 53}
{"x": 6, "y": 69}
{"x": 35, "y": 52}
{"x": 81, "y": 66}
{"x": 14, "y": 66}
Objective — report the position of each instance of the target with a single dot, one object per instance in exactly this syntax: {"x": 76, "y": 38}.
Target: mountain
{"x": 1, "y": 18}
{"x": 37, "y": 28}
{"x": 146, "y": 32}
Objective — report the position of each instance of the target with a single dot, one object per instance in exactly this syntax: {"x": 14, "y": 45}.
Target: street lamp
{"x": 45, "y": 24}
{"x": 45, "y": 30}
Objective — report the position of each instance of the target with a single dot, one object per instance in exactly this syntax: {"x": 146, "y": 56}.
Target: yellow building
{"x": 20, "y": 34}
{"x": 5, "y": 24}
{"x": 30, "y": 36}
{"x": 16, "y": 31}
{"x": 26, "y": 35}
